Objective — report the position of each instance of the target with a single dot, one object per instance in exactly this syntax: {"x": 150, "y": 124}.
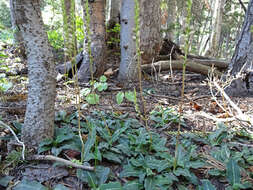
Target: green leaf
{"x": 129, "y": 171}
{"x": 63, "y": 137}
{"x": 92, "y": 98}
{"x": 92, "y": 180}
{"x": 111, "y": 186}
{"x": 100, "y": 86}
{"x": 4, "y": 86}
{"x": 60, "y": 187}
{"x": 233, "y": 172}
{"x": 103, "y": 78}
{"x": 84, "y": 92}
{"x": 130, "y": 96}
{"x": 215, "y": 172}
{"x": 102, "y": 174}
{"x": 117, "y": 134}
{"x": 113, "y": 157}
{"x": 217, "y": 136}
{"x": 132, "y": 185}
{"x": 3, "y": 55}
{"x": 181, "y": 156}
{"x": 4, "y": 181}
{"x": 29, "y": 185}
{"x": 120, "y": 97}
{"x": 153, "y": 163}
{"x": 149, "y": 183}
{"x": 167, "y": 179}
{"x": 195, "y": 164}
{"x": 90, "y": 142}
{"x": 182, "y": 172}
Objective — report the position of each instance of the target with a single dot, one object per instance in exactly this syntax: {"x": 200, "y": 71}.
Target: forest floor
{"x": 214, "y": 149}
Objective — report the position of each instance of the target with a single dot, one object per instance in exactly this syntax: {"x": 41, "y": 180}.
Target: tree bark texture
{"x": 39, "y": 116}
{"x": 128, "y": 64}
{"x": 243, "y": 55}
{"x": 150, "y": 29}
{"x": 216, "y": 31}
{"x": 69, "y": 29}
{"x": 96, "y": 41}
{"x": 114, "y": 12}
{"x": 241, "y": 63}
{"x": 17, "y": 33}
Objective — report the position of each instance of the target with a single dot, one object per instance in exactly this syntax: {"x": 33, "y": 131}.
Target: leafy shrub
{"x": 55, "y": 38}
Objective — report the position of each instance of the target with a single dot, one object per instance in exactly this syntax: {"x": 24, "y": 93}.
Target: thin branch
{"x": 23, "y": 145}
{"x": 57, "y": 159}
{"x": 243, "y": 6}
{"x": 240, "y": 115}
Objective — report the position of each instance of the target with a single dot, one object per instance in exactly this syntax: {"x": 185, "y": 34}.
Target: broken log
{"x": 66, "y": 68}
{"x": 191, "y": 65}
{"x": 219, "y": 64}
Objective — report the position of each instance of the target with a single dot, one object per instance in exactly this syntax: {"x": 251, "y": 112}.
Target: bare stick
{"x": 23, "y": 145}
{"x": 240, "y": 116}
{"x": 57, "y": 159}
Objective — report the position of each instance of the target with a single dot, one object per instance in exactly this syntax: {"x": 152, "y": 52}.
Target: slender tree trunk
{"x": 216, "y": 31}
{"x": 69, "y": 29}
{"x": 17, "y": 33}
{"x": 150, "y": 29}
{"x": 95, "y": 36}
{"x": 171, "y": 19}
{"x": 128, "y": 64}
{"x": 39, "y": 117}
{"x": 243, "y": 55}
{"x": 150, "y": 36}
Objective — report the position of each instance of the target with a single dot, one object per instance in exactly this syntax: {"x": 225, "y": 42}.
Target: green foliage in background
{"x": 5, "y": 17}
{"x": 55, "y": 38}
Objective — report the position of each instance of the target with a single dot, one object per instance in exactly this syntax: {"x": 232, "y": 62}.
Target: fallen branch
{"x": 57, "y": 159}
{"x": 240, "y": 115}
{"x": 219, "y": 64}
{"x": 191, "y": 65}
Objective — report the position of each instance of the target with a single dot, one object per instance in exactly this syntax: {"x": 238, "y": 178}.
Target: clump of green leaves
{"x": 90, "y": 95}
{"x": 5, "y": 84}
{"x": 55, "y": 38}
{"x": 164, "y": 116}
{"x": 114, "y": 36}
{"x": 149, "y": 164}
{"x": 64, "y": 139}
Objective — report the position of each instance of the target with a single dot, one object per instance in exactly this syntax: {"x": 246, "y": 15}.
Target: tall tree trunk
{"x": 216, "y": 32}
{"x": 150, "y": 29}
{"x": 150, "y": 36}
{"x": 69, "y": 29}
{"x": 128, "y": 64}
{"x": 169, "y": 19}
{"x": 17, "y": 33}
{"x": 96, "y": 39}
{"x": 241, "y": 64}
{"x": 39, "y": 116}
{"x": 243, "y": 55}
